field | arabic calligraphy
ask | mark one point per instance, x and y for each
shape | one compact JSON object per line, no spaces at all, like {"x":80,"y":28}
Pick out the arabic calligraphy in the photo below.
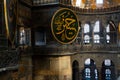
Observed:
{"x":65,"y":26}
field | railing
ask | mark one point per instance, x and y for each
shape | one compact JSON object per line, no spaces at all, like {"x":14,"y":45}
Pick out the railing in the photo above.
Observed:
{"x":8,"y":59}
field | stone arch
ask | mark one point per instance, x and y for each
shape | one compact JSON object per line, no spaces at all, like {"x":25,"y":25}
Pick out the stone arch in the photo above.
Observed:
{"x":90,"y":71}
{"x":108,"y":70}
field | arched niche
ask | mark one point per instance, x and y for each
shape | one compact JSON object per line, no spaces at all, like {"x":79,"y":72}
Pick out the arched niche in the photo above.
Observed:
{"x":75,"y":70}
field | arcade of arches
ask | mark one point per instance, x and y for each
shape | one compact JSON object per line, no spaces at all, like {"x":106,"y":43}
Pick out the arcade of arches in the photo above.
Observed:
{"x":90,"y":70}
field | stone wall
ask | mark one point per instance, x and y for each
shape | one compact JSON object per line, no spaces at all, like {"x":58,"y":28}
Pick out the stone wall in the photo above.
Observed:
{"x":25,"y":68}
{"x":52,"y":68}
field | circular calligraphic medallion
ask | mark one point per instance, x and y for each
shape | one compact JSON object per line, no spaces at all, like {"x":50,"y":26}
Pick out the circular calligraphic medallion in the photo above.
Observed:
{"x":10,"y":15}
{"x":64,"y":26}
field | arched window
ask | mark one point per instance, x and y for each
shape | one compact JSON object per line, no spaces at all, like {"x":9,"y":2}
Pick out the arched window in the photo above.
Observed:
{"x":86,"y":28}
{"x":87,"y":61}
{"x":96,"y":74}
{"x":86,"y":39}
{"x":86,"y":33}
{"x":76,"y":3}
{"x":108,"y":38}
{"x":108,"y":28}
{"x":108,"y":70}
{"x":96,"y":31}
{"x":97,"y":27}
{"x":108,"y":74}
{"x":107,"y":62}
{"x":108,"y":33}
{"x":111,"y":35}
{"x":96,"y":38}
{"x":90,"y":71}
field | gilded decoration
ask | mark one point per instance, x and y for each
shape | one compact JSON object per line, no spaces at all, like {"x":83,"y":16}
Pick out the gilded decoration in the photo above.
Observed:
{"x":10,"y":15}
{"x":64,"y":26}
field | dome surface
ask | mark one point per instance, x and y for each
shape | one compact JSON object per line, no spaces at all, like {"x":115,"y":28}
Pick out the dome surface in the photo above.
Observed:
{"x":94,"y":4}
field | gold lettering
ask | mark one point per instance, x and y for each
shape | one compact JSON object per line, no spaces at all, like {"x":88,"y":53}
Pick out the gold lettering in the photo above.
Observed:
{"x":65,"y":27}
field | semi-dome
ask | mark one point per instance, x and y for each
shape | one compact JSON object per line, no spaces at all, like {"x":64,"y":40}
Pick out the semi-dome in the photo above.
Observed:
{"x":95,"y":3}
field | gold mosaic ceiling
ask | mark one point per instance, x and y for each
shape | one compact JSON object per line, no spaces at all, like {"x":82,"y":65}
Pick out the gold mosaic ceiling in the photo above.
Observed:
{"x":95,"y":3}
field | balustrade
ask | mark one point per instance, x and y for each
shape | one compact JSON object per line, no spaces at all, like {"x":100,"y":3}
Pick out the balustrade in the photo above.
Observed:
{"x":9,"y":59}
